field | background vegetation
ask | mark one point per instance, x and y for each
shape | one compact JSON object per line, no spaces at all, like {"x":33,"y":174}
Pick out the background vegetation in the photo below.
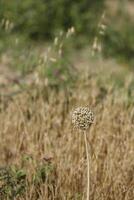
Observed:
{"x":44,"y":19}
{"x":55,"y":56}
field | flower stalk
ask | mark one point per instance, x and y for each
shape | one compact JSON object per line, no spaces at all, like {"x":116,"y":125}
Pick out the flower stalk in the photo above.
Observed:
{"x":83,"y":118}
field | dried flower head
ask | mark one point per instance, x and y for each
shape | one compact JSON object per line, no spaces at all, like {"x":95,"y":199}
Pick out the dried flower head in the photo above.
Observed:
{"x":82,"y":118}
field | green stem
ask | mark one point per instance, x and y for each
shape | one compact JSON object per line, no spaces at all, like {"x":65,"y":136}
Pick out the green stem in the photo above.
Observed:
{"x":88,"y":168}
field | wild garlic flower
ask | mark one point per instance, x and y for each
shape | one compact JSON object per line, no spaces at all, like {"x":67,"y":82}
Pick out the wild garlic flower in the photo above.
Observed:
{"x":82,"y":118}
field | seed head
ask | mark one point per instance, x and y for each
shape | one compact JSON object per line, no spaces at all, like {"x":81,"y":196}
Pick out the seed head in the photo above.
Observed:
{"x":82,"y":118}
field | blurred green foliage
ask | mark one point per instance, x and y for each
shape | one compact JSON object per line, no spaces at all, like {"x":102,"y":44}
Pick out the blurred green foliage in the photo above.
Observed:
{"x":118,"y":40}
{"x":44,"y":18}
{"x":56,"y":65}
{"x":13,"y":182}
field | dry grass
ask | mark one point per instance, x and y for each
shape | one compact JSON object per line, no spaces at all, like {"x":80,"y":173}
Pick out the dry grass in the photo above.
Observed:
{"x":37,"y":125}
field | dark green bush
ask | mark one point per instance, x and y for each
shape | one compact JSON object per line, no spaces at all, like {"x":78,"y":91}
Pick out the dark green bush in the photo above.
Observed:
{"x":44,"y":18}
{"x":13,"y":183}
{"x":119,"y":41}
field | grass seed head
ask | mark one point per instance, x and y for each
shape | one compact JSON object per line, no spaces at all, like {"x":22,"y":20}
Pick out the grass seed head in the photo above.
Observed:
{"x":82,"y":118}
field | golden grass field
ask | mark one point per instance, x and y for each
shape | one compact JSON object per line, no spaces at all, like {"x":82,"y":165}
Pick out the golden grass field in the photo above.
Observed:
{"x":43,"y":157}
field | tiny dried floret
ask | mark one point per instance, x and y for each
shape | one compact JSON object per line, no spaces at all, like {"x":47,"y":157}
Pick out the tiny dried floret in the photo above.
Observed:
{"x":82,"y":118}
